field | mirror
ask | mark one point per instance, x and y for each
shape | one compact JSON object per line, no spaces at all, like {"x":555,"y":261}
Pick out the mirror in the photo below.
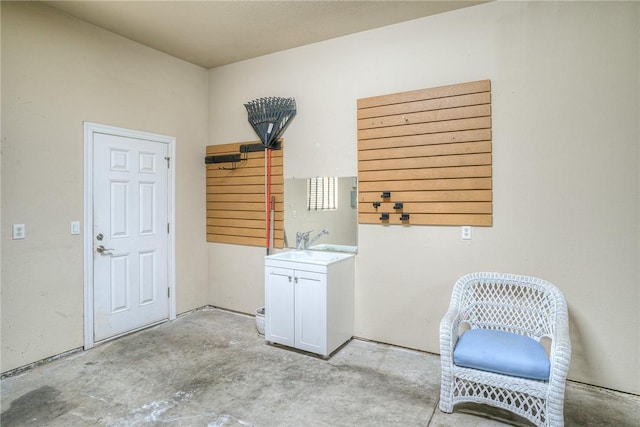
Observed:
{"x":342,"y":223}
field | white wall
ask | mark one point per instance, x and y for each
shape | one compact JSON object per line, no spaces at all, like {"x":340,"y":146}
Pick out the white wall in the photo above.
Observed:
{"x":565,"y":87}
{"x":56,"y":73}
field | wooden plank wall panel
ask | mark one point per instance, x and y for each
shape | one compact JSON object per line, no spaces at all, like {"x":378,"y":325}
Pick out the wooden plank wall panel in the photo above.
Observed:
{"x":236,"y":198}
{"x":431,"y":149}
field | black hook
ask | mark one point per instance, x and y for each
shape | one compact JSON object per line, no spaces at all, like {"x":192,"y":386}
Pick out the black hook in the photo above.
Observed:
{"x":398,"y":205}
{"x":384,"y":216}
{"x":404,"y":217}
{"x":385,"y":194}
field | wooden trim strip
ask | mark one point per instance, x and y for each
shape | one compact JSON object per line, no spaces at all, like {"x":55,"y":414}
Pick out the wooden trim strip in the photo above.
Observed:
{"x":244,"y":223}
{"x":426,"y":117}
{"x":241,"y":240}
{"x":421,"y":94}
{"x":242,"y":180}
{"x":231,"y":231}
{"x":237,"y":240}
{"x":426,"y":173}
{"x":424,"y":151}
{"x":223,"y":206}
{"x":431,"y":207}
{"x":422,"y":128}
{"x":426,"y":105}
{"x":431,"y":196}
{"x":468,"y":158}
{"x":244,"y":189}
{"x":238,"y":197}
{"x":427,"y":185}
{"x":424,"y":139}
{"x":242,"y":170}
{"x":429,"y":219}
{"x":214,"y":217}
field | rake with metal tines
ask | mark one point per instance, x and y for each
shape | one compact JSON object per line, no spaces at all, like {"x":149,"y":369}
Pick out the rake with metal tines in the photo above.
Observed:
{"x":270,"y":117}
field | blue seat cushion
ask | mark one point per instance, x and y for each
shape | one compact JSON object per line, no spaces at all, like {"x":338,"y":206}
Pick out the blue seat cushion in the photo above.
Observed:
{"x":503,"y":353}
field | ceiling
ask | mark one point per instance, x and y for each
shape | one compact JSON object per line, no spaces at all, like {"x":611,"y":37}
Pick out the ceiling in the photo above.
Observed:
{"x":212,"y":33}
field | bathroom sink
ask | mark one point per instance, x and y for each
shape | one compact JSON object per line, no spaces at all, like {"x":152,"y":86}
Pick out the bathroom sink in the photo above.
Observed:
{"x":318,"y":261}
{"x":321,"y":257}
{"x":335,"y":248}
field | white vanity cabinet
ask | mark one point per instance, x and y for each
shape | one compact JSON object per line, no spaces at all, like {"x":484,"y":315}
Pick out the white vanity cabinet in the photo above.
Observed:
{"x":309,"y":302}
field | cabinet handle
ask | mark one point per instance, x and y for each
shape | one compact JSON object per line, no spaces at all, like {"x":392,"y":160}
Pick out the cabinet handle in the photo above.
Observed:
{"x":295,"y":280}
{"x":289,"y":279}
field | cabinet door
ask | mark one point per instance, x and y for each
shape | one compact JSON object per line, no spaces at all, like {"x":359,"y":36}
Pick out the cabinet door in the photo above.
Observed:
{"x":279,"y":306}
{"x":311,"y":312}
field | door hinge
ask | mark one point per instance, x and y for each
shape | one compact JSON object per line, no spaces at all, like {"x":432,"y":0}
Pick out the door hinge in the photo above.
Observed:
{"x":168,"y":292}
{"x":168,"y":228}
{"x":168,"y":159}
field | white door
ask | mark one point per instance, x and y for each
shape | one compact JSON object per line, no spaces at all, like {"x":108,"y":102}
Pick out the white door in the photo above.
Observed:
{"x":130,"y":234}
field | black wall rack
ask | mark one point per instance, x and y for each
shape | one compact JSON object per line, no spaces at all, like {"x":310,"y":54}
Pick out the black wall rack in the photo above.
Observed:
{"x":244,"y":149}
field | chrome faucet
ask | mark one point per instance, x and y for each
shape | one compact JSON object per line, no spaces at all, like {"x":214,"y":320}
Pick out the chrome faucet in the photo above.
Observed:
{"x":303,"y":241}
{"x":324,"y":232}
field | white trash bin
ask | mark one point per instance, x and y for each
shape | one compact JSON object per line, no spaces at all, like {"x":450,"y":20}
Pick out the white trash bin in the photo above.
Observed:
{"x":260,"y":321}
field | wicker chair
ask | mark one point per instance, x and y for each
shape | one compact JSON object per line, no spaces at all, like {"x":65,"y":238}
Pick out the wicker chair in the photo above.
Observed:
{"x":497,"y":303}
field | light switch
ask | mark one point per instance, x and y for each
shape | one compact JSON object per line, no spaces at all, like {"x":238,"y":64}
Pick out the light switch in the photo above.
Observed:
{"x":19,"y":231}
{"x":75,"y":227}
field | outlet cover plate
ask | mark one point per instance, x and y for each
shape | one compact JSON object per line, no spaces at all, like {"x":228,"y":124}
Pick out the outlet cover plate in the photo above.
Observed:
{"x":19,"y":231}
{"x":75,"y":227}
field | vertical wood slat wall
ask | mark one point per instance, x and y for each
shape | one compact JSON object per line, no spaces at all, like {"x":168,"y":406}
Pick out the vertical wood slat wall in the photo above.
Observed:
{"x":236,"y":198}
{"x":431,"y":149}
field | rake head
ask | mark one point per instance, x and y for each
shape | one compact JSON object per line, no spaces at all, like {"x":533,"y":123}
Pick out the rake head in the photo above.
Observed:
{"x":270,"y":116}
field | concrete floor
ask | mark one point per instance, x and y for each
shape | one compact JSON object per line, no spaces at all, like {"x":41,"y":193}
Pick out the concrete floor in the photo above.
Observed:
{"x":210,"y":368}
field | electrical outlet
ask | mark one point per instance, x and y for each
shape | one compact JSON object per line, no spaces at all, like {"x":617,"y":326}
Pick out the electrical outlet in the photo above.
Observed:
{"x":466,"y":232}
{"x":19,"y":231}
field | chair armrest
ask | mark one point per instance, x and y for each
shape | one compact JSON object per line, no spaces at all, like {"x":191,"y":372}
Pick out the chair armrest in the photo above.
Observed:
{"x":559,"y":357}
{"x":448,"y":339}
{"x":560,"y":352}
{"x":449,"y":332}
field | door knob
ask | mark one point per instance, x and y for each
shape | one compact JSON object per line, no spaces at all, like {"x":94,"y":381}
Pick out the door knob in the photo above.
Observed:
{"x":103,"y":251}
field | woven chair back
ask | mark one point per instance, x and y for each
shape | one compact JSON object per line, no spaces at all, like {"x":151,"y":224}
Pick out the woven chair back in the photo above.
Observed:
{"x":509,"y":305}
